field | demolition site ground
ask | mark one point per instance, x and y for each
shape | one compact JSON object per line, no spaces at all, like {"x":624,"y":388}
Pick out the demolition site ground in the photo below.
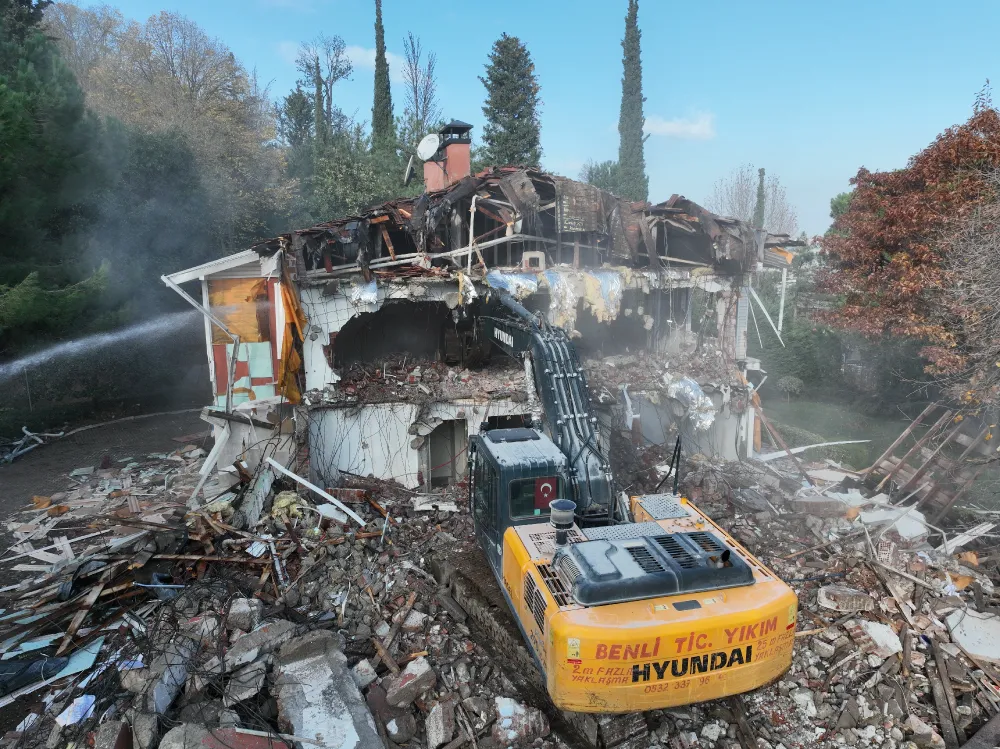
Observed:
{"x":393,"y":633}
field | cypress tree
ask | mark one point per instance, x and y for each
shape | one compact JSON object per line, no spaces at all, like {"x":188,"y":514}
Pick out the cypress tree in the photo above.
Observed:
{"x":383,"y":131}
{"x":632,"y":180}
{"x":758,"y":211}
{"x":513,"y":132}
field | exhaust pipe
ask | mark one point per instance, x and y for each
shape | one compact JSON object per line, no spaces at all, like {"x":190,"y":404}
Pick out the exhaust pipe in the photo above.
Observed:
{"x":562,"y":513}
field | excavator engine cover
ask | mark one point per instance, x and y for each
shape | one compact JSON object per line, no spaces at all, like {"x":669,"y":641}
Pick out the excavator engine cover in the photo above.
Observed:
{"x":613,"y":571}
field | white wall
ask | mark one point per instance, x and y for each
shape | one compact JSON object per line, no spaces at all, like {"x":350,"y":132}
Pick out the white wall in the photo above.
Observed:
{"x":370,"y":439}
{"x":377,"y":438}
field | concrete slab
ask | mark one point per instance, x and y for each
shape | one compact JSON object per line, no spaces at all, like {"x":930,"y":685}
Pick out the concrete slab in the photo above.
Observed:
{"x":265,"y":639}
{"x":245,"y":683}
{"x":977,"y":633}
{"x":317,"y":697}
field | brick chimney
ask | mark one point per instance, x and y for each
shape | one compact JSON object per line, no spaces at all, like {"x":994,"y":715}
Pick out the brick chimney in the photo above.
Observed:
{"x":453,"y":160}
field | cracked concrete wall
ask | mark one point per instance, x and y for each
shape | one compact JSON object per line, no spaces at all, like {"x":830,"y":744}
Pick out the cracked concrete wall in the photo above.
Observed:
{"x":330,"y":306}
{"x":388,"y":440}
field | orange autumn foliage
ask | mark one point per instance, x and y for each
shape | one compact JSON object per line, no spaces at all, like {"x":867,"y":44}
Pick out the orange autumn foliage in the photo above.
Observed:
{"x":886,"y":252}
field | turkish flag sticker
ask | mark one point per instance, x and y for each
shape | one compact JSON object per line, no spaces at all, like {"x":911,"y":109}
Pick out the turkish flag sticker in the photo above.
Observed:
{"x":545,"y":491}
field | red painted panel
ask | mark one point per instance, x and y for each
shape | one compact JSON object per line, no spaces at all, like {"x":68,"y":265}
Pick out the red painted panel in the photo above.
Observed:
{"x":242,"y":370}
{"x":221,"y":364}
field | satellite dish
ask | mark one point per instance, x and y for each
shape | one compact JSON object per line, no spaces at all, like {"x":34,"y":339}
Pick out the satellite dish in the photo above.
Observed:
{"x":429,"y":146}
{"x":408,"y":175}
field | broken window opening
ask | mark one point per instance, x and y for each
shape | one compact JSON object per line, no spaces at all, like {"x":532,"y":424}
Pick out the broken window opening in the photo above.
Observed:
{"x":413,"y":328}
{"x":669,"y":308}
{"x":702,"y":313}
{"x":538,"y":303}
{"x":625,"y":333}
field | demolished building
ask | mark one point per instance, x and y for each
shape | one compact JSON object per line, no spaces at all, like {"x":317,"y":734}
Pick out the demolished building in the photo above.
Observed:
{"x":218,"y":623}
{"x":363,"y":327}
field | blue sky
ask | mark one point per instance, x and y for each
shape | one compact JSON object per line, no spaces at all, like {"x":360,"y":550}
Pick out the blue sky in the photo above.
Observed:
{"x":810,"y":91}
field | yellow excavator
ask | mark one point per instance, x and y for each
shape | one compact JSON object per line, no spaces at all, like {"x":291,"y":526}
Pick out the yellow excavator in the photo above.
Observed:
{"x":626,"y":604}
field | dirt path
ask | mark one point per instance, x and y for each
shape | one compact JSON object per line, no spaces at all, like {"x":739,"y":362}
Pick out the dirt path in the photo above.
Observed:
{"x":44,"y":470}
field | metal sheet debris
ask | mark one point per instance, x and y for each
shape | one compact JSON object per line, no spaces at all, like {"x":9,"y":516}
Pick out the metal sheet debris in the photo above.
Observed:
{"x":977,"y":633}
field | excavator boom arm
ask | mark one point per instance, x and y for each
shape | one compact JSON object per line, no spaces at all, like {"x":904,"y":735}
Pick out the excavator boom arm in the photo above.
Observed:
{"x":562,"y":390}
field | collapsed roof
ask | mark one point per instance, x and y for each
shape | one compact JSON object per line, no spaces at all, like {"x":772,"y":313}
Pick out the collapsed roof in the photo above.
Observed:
{"x":491,"y":219}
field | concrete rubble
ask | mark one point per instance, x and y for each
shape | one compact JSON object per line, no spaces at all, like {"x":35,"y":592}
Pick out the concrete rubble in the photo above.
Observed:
{"x":298,"y":626}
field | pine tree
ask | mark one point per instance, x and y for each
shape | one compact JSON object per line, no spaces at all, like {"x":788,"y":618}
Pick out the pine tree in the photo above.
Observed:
{"x":21,"y":18}
{"x":295,"y":116}
{"x":49,"y":175}
{"x":632,"y":180}
{"x":513,"y":132}
{"x":383,"y":131}
{"x":758,"y":211}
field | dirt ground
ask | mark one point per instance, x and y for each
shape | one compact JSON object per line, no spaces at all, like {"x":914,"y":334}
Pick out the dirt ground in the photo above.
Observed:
{"x":44,"y":470}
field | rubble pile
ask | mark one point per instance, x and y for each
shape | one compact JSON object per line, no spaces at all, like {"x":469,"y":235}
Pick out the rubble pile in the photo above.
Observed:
{"x":316,"y":618}
{"x":300,"y":627}
{"x":706,"y":365}
{"x":403,"y":378}
{"x":896,"y":639}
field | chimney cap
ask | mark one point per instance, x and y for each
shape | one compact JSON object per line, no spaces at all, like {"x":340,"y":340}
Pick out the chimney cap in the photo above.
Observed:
{"x":456,"y":131}
{"x":455,"y":127}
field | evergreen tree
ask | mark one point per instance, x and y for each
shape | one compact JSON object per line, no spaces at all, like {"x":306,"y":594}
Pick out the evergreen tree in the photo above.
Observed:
{"x":758,"y":211}
{"x":513,"y":132}
{"x":295,"y":116}
{"x":602,"y":174}
{"x":48,"y":172}
{"x":20,"y":18}
{"x":383,"y":129}
{"x":633,"y":183}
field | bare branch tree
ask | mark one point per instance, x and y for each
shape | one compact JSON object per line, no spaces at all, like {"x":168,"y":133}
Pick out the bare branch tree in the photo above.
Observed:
{"x":324,"y":59}
{"x":421,"y":110}
{"x":970,"y":309}
{"x":87,"y":37}
{"x":736,"y":196}
{"x":167,"y":74}
{"x":779,"y":215}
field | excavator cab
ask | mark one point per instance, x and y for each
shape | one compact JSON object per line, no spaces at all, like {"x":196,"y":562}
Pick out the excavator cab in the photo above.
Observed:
{"x":515,"y":473}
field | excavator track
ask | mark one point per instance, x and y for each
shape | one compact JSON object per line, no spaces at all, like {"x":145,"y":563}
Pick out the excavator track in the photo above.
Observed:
{"x":471,"y":582}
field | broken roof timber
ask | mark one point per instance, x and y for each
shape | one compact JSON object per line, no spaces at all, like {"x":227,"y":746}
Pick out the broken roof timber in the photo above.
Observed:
{"x":569,"y":222}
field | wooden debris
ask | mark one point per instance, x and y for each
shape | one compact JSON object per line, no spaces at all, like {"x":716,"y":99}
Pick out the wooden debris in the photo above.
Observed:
{"x":389,"y":638}
{"x":384,"y":656}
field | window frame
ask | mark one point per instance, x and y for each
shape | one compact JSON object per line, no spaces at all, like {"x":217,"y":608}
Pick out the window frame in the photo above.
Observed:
{"x":560,"y":488}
